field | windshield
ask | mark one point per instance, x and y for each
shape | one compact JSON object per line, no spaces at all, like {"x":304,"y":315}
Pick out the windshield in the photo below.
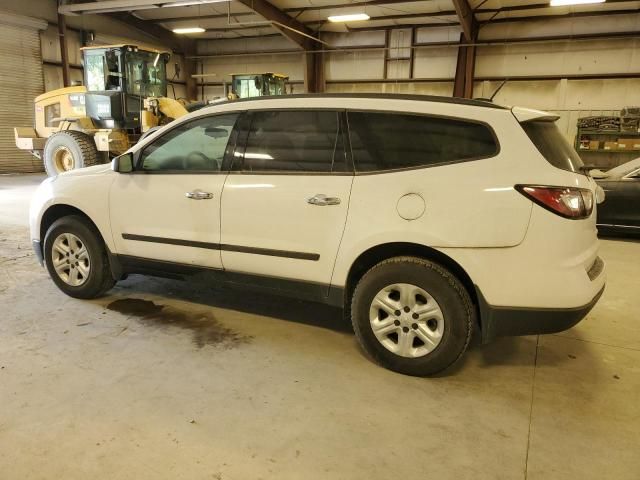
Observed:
{"x":247,"y":87}
{"x":276,"y":86}
{"x":552,"y":145}
{"x":624,"y":169}
{"x":146,"y":75}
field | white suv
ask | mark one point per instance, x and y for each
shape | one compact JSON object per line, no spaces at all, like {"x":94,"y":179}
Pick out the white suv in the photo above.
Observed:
{"x":423,"y":217}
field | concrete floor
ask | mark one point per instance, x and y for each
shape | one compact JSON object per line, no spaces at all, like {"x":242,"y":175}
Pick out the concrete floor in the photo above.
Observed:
{"x":223,"y":386}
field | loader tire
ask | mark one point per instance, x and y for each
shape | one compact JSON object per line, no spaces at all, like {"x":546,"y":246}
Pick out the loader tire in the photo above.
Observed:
{"x":68,"y":150}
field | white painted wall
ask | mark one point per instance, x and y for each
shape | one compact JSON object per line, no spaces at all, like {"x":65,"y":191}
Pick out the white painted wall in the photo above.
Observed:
{"x":434,"y":66}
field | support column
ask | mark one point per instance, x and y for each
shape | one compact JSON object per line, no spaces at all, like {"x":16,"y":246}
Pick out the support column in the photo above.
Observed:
{"x":314,"y":72}
{"x":465,"y":70}
{"x":191,"y":84}
{"x":62,"y":31}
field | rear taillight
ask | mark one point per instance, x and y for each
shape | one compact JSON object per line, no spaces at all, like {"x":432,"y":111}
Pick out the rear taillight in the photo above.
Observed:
{"x":568,"y":202}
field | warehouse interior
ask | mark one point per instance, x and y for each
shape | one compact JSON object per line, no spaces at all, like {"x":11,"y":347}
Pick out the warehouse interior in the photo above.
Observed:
{"x":221,"y":387}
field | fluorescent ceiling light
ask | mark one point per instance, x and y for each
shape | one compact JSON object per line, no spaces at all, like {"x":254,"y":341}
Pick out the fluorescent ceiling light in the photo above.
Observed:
{"x":188,"y":3}
{"x":564,"y":3}
{"x":189,"y":30}
{"x":352,"y":17}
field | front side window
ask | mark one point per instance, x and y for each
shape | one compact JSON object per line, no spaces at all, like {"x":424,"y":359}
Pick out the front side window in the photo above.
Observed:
{"x":390,"y":141}
{"x":295,"y":141}
{"x":198,"y":145}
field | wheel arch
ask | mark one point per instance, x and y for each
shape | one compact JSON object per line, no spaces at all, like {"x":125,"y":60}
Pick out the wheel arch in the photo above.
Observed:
{"x":378,"y":253}
{"x":59,"y":210}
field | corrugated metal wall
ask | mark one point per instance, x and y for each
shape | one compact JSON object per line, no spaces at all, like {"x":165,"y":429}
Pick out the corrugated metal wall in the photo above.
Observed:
{"x":20,"y":82}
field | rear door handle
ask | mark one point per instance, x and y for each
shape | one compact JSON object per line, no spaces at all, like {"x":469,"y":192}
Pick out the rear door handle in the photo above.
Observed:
{"x":199,"y":195}
{"x":322,"y":200}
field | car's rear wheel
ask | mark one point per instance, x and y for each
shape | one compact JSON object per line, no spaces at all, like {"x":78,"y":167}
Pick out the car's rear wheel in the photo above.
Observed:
{"x":412,"y":316}
{"x":76,"y":258}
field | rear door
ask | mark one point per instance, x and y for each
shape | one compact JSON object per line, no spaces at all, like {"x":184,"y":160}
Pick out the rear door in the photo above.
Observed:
{"x":285,"y":202}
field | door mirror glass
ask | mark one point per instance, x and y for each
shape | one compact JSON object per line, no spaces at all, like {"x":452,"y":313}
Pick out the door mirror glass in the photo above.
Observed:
{"x":123,"y":163}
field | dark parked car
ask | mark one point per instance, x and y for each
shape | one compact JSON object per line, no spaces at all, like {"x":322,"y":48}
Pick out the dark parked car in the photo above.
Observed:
{"x":620,"y":211}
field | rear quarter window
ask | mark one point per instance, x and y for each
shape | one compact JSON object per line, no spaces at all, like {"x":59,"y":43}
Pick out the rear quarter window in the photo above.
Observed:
{"x":391,"y":141}
{"x":553,"y":146}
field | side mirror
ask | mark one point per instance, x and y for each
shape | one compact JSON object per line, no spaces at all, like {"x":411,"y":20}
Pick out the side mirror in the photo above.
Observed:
{"x":123,"y":163}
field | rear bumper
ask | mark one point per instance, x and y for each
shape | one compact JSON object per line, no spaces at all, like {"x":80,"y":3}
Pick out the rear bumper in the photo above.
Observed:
{"x":508,"y":321}
{"x":37,"y":248}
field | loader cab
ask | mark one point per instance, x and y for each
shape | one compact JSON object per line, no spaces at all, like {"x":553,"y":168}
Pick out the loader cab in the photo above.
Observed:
{"x":258,"y":84}
{"x":118,"y":78}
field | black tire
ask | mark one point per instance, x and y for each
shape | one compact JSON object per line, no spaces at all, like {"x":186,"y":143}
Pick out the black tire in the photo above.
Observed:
{"x":80,"y":145}
{"x":451,"y":296}
{"x":99,"y":279}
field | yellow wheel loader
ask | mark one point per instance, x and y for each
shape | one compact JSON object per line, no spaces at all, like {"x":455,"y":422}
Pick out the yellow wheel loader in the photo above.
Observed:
{"x":248,"y":85}
{"x":124,"y":95}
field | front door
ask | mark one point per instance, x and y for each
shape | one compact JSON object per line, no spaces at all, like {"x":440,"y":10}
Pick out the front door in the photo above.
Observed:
{"x":284,"y":205}
{"x":168,"y":208}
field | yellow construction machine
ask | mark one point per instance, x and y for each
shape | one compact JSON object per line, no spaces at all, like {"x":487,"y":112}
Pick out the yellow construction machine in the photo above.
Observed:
{"x":123,"y":96}
{"x":248,"y":85}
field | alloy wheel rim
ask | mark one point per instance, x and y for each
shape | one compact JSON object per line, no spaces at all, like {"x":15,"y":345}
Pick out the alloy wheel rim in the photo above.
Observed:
{"x":70,"y":259}
{"x":406,"y":320}
{"x":63,"y":159}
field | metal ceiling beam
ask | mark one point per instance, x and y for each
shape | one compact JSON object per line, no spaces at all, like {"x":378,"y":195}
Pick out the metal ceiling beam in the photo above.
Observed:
{"x":109,"y":6}
{"x":595,"y":13}
{"x":408,"y":25}
{"x":467,"y":19}
{"x":179,"y":44}
{"x":443,"y":13}
{"x":297,"y":32}
{"x":367,"y":3}
{"x":529,"y":18}
{"x":289,"y":27}
{"x":216,"y":16}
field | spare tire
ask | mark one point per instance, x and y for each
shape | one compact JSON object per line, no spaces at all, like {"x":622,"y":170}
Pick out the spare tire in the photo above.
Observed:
{"x":68,"y":150}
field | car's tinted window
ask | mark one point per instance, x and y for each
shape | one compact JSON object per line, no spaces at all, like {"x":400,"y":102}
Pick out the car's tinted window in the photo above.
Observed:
{"x":194,"y":146}
{"x":295,"y":141}
{"x":552,"y":145}
{"x":387,"y":141}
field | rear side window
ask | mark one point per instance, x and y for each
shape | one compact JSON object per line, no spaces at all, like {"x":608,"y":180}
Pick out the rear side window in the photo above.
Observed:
{"x":295,"y":141}
{"x":552,"y":145}
{"x":389,"y":141}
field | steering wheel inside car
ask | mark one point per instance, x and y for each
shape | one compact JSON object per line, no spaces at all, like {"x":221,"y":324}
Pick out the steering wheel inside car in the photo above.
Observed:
{"x":198,"y":161}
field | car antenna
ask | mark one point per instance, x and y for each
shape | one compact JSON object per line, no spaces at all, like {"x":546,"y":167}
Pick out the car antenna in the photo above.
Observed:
{"x":490,"y":99}
{"x":498,"y":89}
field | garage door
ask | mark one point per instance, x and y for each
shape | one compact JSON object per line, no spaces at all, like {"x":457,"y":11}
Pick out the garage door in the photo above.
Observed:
{"x":20,"y":82}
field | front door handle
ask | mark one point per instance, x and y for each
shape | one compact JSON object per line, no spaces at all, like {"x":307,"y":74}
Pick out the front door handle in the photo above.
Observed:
{"x":322,"y":200}
{"x":199,"y":195}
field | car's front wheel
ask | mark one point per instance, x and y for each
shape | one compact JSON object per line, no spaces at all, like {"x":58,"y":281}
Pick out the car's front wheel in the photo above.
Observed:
{"x":412,"y":315}
{"x":76,"y":258}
